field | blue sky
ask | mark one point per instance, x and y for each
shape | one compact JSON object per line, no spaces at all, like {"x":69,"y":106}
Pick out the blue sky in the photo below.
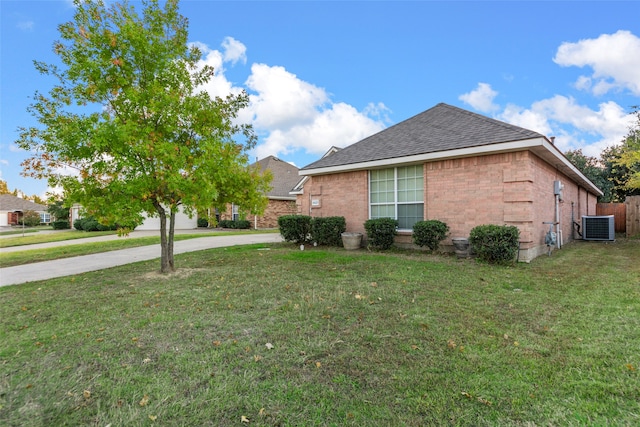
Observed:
{"x":331,"y":73}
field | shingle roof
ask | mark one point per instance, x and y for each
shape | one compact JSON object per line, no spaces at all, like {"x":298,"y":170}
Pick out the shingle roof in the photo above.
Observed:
{"x":441,"y":128}
{"x":285,"y":177}
{"x":11,"y":203}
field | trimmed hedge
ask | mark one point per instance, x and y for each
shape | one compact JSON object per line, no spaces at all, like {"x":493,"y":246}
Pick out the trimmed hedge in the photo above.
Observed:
{"x":295,"y":228}
{"x":203,"y":222}
{"x":328,"y":230}
{"x":495,"y":244}
{"x":240,"y":224}
{"x":61,"y":225}
{"x":429,"y":233}
{"x":89,"y":223}
{"x":381,"y":231}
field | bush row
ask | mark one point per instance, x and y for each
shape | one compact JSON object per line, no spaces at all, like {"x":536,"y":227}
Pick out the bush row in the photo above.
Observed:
{"x":495,"y":244}
{"x":301,"y":229}
{"x":239,"y":224}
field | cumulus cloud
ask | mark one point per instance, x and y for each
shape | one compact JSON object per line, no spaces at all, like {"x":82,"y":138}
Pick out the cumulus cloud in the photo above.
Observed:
{"x":481,"y":98}
{"x":288,"y":113}
{"x":614,"y":59}
{"x":571,"y":123}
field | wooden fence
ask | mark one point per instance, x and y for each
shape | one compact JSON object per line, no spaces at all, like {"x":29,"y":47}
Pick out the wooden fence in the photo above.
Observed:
{"x":626,"y":215}
{"x":632,"y":205}
{"x":619,"y":212}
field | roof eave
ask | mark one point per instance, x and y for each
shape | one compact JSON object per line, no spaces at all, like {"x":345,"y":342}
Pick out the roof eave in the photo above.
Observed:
{"x":540,"y":146}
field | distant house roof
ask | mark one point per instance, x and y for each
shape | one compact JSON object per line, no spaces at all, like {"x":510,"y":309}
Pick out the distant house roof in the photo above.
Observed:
{"x":285,"y":177}
{"x":442,"y":132}
{"x":11,"y":203}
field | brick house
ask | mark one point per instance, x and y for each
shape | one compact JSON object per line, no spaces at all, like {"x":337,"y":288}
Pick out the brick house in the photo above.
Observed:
{"x":12,"y":208}
{"x":455,"y":166}
{"x":285,"y":177}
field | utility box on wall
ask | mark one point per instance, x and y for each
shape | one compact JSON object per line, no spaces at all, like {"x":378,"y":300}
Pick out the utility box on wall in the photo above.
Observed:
{"x":557,"y":189}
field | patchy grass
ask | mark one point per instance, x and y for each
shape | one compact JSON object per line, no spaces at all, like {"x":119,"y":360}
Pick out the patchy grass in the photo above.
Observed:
{"x":29,"y":256}
{"x":329,"y":337}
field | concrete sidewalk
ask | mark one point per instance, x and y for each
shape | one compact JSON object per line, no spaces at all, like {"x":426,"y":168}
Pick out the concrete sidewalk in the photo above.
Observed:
{"x":82,"y":264}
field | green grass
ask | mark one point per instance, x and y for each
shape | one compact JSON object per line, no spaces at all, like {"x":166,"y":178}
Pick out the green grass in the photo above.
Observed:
{"x":29,"y":256}
{"x":358,"y":338}
{"x":59,"y":236}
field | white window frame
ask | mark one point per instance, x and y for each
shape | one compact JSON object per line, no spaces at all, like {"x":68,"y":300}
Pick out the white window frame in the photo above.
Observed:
{"x":395,"y":203}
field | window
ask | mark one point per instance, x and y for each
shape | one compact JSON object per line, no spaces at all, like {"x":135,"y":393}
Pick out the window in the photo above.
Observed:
{"x":234,"y":212}
{"x":45,"y":217}
{"x":397,"y":193}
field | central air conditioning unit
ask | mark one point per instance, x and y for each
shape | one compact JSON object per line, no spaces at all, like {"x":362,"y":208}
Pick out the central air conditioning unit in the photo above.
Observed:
{"x":598,"y":227}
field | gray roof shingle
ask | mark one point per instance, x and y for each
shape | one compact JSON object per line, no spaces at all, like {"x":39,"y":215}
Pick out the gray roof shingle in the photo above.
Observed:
{"x":285,"y":177}
{"x":441,"y":128}
{"x":11,"y":203}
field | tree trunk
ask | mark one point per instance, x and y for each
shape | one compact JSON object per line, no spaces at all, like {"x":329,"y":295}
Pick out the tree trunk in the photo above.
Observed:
{"x":164,"y":253}
{"x":170,"y":242}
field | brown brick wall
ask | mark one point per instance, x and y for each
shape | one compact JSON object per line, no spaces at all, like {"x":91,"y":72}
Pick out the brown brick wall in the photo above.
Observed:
{"x":502,"y":189}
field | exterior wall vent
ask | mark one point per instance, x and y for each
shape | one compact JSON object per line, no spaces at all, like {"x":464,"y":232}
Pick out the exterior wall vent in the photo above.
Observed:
{"x":598,"y":227}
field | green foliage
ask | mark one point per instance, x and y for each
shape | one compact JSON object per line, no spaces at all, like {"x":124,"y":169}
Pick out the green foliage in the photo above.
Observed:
{"x":593,"y":169}
{"x":381,"y":232}
{"x":239,"y":224}
{"x":58,"y":210}
{"x":90,"y":223}
{"x":129,"y":113}
{"x":429,"y":233}
{"x":328,"y":230}
{"x":495,"y":244}
{"x":30,"y":218}
{"x":203,"y":222}
{"x":61,"y":224}
{"x":295,"y":228}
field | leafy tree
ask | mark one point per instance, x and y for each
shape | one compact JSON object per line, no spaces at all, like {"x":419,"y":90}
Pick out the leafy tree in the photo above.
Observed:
{"x":618,"y":174}
{"x":30,"y":218}
{"x":593,"y":169}
{"x":58,"y":210}
{"x":630,"y":154}
{"x":129,"y":115}
{"x":4,"y":188}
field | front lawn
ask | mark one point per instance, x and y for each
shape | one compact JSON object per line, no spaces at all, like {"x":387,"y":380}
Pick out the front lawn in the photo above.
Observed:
{"x":271,"y":335}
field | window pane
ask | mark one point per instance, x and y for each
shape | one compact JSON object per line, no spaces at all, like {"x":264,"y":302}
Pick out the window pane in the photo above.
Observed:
{"x":382,"y":211}
{"x":408,"y":215}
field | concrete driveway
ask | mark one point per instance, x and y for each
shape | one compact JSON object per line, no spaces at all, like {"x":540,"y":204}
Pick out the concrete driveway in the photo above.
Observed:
{"x":82,"y":264}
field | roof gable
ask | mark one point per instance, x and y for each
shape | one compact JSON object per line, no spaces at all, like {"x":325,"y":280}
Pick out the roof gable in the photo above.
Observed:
{"x":10,"y":203}
{"x":441,"y":128}
{"x":285,"y":177}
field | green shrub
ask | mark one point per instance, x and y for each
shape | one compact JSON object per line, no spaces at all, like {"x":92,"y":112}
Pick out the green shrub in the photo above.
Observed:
{"x":237,"y":224}
{"x":495,"y":244}
{"x":429,"y":233}
{"x":328,"y":230}
{"x":30,"y":218}
{"x":295,"y":228}
{"x":61,"y":225}
{"x":89,"y":223}
{"x":203,"y":222}
{"x":380,"y":232}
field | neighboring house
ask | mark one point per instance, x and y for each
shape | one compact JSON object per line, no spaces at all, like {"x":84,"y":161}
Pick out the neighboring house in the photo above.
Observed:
{"x":183,"y":222}
{"x":455,"y":166}
{"x":12,"y":208}
{"x":281,"y":202}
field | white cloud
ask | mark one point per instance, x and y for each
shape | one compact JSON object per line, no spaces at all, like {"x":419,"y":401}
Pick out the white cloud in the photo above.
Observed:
{"x":574,"y":125}
{"x":234,"y":50}
{"x":288,"y":113}
{"x":281,"y":99}
{"x":25,"y":25}
{"x":340,"y":125}
{"x":614,"y":58}
{"x":481,"y":98}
